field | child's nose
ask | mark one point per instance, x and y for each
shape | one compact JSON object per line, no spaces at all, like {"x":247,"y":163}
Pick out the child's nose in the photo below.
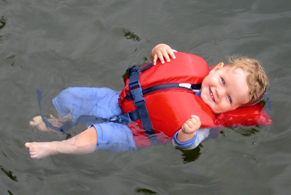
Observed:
{"x":220,"y":92}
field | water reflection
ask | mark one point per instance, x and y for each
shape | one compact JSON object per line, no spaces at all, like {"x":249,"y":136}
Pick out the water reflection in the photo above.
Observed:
{"x":2,"y":22}
{"x":9,"y":173}
{"x":11,"y":60}
{"x":132,"y":36}
{"x":245,"y":131}
{"x":10,"y":193}
{"x":145,"y":191}
{"x":194,"y":154}
{"x":2,"y":25}
{"x":191,"y":155}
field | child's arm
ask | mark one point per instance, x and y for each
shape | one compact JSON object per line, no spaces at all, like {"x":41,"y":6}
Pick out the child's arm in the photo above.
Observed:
{"x":187,"y":132}
{"x":162,"y":51}
{"x":190,"y":135}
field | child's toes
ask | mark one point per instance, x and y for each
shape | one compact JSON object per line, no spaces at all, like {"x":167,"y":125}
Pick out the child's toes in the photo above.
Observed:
{"x":32,"y":123}
{"x":37,"y":119}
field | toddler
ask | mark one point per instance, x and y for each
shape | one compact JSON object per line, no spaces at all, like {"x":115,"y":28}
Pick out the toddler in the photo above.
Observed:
{"x":240,"y":83}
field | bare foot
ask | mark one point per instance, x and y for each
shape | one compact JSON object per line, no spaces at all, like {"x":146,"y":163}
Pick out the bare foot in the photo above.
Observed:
{"x":41,"y":149}
{"x":38,"y":123}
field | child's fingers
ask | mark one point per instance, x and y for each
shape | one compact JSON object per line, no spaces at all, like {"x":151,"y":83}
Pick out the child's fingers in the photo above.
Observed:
{"x":154,"y":59}
{"x":161,"y":57}
{"x":171,"y":53}
{"x":194,"y":121}
{"x":166,"y":55}
{"x":189,"y":127}
{"x":195,"y":117}
{"x":190,"y":123}
{"x":186,"y":127}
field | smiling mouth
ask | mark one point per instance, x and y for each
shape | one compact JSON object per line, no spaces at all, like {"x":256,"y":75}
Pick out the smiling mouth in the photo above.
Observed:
{"x":211,"y":95}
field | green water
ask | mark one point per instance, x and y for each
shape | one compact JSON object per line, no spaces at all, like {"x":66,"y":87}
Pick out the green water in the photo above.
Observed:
{"x":53,"y":45}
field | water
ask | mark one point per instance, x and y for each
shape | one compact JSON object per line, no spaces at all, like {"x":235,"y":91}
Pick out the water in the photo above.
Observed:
{"x":53,"y":45}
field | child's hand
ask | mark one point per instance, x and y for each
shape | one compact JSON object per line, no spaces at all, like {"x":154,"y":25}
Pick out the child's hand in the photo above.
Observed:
{"x":189,"y":128}
{"x":191,"y":125}
{"x":162,"y":51}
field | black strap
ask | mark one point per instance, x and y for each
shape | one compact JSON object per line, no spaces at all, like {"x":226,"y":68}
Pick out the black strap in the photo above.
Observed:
{"x":139,"y":101}
{"x":165,"y":86}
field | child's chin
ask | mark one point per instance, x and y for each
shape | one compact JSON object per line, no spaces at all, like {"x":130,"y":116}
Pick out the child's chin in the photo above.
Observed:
{"x":206,"y":100}
{"x":213,"y":110}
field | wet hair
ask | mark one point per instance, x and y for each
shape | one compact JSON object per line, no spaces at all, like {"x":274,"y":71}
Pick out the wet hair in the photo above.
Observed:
{"x":257,"y":79}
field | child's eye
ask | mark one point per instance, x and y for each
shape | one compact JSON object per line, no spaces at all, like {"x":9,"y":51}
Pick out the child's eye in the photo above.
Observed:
{"x":223,"y":81}
{"x":229,"y":99}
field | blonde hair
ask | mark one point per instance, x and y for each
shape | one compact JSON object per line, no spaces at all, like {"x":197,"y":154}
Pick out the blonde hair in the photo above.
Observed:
{"x":257,"y":79}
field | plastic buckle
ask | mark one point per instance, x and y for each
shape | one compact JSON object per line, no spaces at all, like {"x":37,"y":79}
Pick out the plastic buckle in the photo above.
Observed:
{"x":132,"y":69}
{"x":125,"y":118}
{"x":137,"y":95}
{"x":133,"y":84}
{"x":135,"y":88}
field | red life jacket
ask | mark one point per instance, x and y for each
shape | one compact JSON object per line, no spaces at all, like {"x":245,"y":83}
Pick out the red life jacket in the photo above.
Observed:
{"x":169,"y":109}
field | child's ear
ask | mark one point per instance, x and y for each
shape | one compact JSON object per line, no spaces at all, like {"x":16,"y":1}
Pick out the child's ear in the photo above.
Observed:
{"x":217,"y":67}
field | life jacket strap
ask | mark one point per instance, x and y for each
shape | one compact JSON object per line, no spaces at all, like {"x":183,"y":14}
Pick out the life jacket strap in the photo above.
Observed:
{"x":193,"y":87}
{"x":139,"y":101}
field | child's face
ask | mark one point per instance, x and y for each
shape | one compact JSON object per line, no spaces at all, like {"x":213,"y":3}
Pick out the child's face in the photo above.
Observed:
{"x":225,"y":89}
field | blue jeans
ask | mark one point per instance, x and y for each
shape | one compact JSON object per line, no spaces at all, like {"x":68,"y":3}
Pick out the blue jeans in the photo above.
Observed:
{"x":101,"y":102}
